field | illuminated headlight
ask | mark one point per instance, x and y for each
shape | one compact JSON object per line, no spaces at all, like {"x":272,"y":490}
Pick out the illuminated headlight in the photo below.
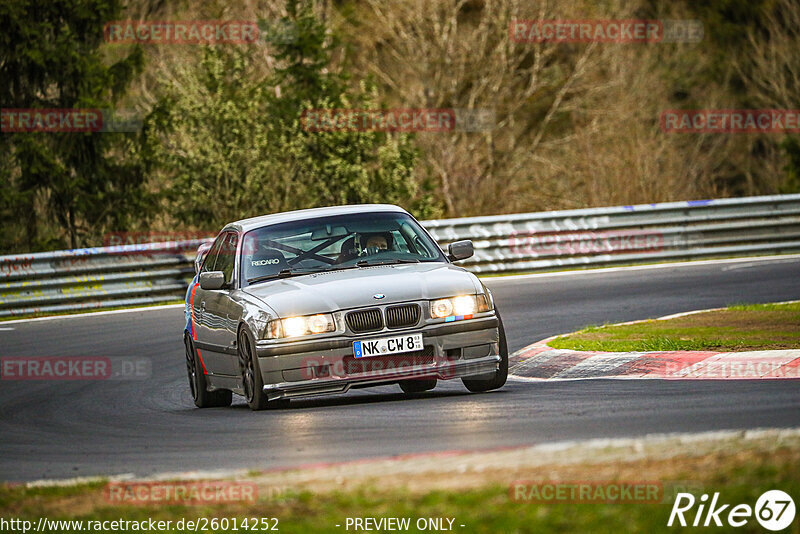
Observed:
{"x":464,"y":305}
{"x":461,"y":306}
{"x":301,"y":326}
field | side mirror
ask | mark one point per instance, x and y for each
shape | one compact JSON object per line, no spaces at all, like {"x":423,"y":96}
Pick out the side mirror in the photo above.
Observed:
{"x":211,"y":280}
{"x":460,"y":250}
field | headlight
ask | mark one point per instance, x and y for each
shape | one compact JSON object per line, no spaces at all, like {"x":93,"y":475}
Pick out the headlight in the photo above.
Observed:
{"x":301,"y":326}
{"x":441,"y":308}
{"x":465,"y":305}
{"x":462,"y":306}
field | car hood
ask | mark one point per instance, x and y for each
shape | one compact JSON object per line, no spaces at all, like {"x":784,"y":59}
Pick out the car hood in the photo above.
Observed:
{"x":353,"y":288}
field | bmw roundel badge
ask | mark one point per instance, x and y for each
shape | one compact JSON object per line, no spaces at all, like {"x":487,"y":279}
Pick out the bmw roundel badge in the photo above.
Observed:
{"x":378,"y":296}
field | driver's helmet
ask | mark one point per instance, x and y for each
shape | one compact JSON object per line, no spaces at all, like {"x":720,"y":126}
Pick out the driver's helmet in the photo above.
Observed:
{"x":374,"y":243}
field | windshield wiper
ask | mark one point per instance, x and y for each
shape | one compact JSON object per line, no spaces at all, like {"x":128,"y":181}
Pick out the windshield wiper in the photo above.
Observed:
{"x":369,"y":263}
{"x":287,"y":273}
{"x":283,"y":273}
{"x":344,"y":268}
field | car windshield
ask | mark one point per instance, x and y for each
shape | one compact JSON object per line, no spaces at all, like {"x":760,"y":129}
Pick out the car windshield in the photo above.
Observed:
{"x":334,"y":242}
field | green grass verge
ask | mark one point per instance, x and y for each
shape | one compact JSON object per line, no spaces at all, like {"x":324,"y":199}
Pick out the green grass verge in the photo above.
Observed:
{"x":737,"y":328}
{"x":739,"y":477}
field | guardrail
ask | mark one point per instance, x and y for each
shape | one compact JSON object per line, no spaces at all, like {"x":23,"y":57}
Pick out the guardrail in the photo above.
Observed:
{"x":157,"y":272}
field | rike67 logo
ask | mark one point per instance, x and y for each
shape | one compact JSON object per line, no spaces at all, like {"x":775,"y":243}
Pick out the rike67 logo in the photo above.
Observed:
{"x":774,"y":510}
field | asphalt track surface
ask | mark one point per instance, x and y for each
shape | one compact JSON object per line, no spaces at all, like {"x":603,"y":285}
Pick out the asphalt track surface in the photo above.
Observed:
{"x":51,"y":429}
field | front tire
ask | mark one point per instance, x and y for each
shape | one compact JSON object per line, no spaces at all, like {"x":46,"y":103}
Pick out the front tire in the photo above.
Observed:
{"x":252,"y":381}
{"x":198,"y":385}
{"x":500,"y":376}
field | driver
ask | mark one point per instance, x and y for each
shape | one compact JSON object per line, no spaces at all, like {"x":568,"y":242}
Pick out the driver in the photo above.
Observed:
{"x":377,"y":240}
{"x":375,"y":243}
{"x":369,"y":244}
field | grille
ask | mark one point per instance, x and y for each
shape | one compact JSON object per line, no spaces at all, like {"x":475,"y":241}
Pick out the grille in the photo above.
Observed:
{"x":364,"y":320}
{"x":400,"y":316}
{"x":382,"y":363}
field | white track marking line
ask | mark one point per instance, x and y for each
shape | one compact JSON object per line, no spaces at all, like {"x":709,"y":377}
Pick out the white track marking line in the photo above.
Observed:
{"x":94,"y":314}
{"x":691,"y":263}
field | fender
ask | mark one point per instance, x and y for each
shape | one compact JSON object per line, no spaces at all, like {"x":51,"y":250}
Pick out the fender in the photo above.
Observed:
{"x":255,"y":313}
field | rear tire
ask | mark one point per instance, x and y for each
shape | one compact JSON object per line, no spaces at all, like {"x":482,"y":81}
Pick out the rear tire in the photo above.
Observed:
{"x":252,"y":382}
{"x":500,"y":376}
{"x":417,"y":386}
{"x":198,"y":386}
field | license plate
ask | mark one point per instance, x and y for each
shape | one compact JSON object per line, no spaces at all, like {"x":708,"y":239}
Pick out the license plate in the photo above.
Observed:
{"x":387,"y":345}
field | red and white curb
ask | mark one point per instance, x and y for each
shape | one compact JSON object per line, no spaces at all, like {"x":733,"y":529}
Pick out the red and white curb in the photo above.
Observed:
{"x":541,"y":362}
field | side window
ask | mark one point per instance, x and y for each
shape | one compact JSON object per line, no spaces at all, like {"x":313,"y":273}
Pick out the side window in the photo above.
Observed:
{"x":211,"y":257}
{"x":227,"y":255}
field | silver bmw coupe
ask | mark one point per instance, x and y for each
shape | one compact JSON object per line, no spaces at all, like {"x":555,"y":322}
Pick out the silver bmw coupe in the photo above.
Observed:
{"x":322,"y":300}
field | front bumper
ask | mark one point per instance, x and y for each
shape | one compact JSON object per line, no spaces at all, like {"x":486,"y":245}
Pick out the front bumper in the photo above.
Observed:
{"x":467,"y":348}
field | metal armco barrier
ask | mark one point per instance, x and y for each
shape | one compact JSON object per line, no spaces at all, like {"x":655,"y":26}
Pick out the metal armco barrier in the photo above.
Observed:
{"x":101,"y":277}
{"x":627,"y":234}
{"x":157,"y":272}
